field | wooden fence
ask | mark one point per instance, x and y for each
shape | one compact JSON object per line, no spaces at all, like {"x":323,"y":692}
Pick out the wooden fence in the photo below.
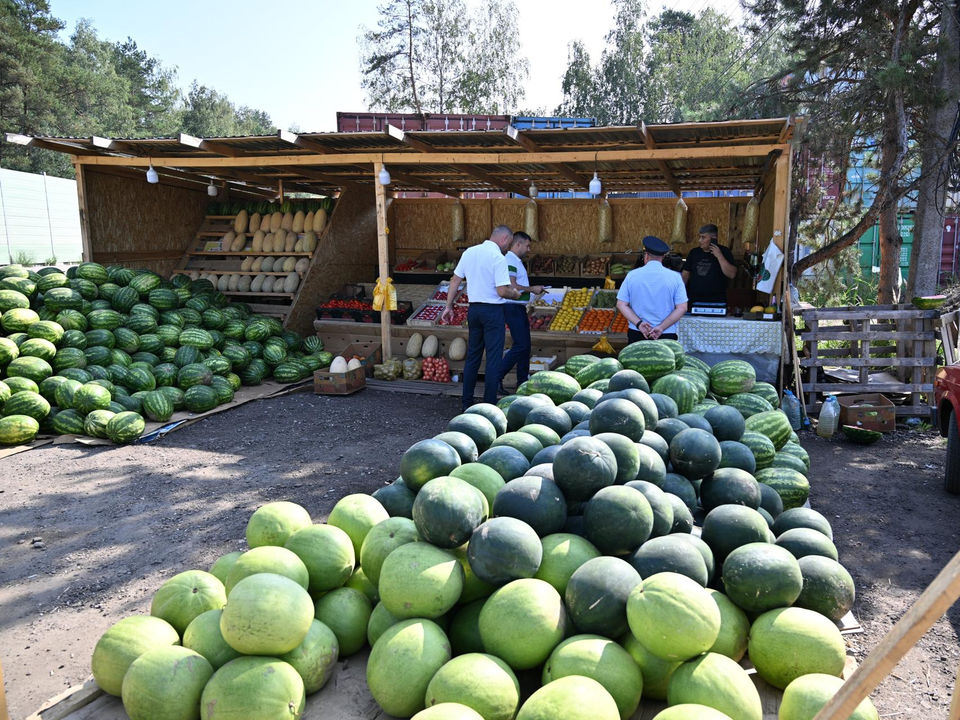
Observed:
{"x":897,"y":341}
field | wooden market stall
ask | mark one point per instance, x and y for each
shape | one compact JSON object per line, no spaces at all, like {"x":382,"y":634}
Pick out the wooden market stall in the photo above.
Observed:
{"x":165,"y":226}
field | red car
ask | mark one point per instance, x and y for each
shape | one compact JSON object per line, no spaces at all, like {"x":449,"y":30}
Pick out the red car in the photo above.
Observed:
{"x":947,"y":420}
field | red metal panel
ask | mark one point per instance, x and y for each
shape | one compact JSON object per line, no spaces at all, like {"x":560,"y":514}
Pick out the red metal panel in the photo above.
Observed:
{"x":948,"y":249}
{"x":375,"y":122}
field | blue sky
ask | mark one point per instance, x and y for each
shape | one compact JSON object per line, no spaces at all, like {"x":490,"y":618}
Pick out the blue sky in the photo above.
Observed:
{"x":299,"y":63}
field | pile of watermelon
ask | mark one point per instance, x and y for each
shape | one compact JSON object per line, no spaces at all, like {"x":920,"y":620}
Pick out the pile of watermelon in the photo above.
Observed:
{"x":620,"y":529}
{"x":97,"y":350}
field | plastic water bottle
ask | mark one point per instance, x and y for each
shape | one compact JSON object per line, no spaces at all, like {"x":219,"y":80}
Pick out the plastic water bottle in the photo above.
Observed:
{"x":791,"y":406}
{"x":829,"y":417}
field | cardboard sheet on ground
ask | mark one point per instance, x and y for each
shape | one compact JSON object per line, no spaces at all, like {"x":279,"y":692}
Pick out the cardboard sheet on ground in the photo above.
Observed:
{"x":346,"y":697}
{"x":180,"y":419}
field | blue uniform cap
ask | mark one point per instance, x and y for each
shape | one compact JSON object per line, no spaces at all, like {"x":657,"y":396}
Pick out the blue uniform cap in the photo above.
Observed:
{"x":655,"y":245}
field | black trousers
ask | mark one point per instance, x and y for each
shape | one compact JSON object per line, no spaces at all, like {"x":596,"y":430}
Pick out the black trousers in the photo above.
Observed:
{"x":636,"y":336}
{"x":519,"y":352}
{"x":486,"y":331}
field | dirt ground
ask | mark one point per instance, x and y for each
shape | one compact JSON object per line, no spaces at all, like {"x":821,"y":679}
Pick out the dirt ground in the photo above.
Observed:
{"x":114,"y":523}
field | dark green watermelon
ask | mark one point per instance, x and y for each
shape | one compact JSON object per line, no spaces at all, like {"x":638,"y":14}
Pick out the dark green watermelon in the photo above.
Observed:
{"x":583,"y":466}
{"x":596,"y":596}
{"x":534,"y":500}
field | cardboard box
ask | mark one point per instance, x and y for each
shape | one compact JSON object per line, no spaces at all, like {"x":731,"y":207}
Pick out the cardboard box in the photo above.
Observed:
{"x":370,"y":354}
{"x":328,"y":383}
{"x":871,"y":411}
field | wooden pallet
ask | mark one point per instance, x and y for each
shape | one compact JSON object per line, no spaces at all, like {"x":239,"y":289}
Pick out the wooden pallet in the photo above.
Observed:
{"x":860,"y":329}
{"x":279,"y":305}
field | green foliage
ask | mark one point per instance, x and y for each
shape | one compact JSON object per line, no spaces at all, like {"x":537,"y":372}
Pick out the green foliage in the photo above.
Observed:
{"x":672,"y":67}
{"x":436,"y":56}
{"x":91,"y":86}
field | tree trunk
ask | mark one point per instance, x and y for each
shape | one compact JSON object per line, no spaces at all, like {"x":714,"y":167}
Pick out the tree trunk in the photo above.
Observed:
{"x":931,"y":197}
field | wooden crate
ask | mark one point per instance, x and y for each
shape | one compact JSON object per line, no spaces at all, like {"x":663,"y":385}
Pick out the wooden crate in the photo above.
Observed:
{"x":604,"y":259}
{"x":859,"y":329}
{"x":345,"y":383}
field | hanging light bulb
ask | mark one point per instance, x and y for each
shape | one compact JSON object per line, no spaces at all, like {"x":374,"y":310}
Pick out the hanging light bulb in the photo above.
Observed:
{"x":534,"y":190}
{"x":384,"y":176}
{"x":212,"y":189}
{"x":595,"y":186}
{"x":152,"y":176}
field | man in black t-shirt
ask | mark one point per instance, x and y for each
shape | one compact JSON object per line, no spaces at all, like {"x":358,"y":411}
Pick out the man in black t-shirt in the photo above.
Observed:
{"x":708,"y":268}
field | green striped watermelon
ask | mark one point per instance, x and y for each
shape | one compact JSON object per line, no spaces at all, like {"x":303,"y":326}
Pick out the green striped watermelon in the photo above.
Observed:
{"x":21,"y":285}
{"x":87,"y":289}
{"x":157,"y":406}
{"x":18,"y":320}
{"x":730,"y":377}
{"x":119,"y":357}
{"x":63,"y":298}
{"x":91,"y":397}
{"x":761,"y":447}
{"x":651,"y":358}
{"x":187,"y":355}
{"x":224,"y":388}
{"x":73,"y":339}
{"x":125,"y":427}
{"x":786,"y":460}
{"x":198,"y":303}
{"x":78,"y":374}
{"x":234,"y":329}
{"x":795,"y":449}
{"x":287,"y":373}
{"x":105,"y":319}
{"x":601,"y":370}
{"x":169,"y":335}
{"x":774,"y":424}
{"x":701,"y":381}
{"x":128,"y":402}
{"x":29,"y":403}
{"x":175,"y":394}
{"x":792,"y":487}
{"x":72,"y":320}
{"x":18,"y":429}
{"x":52,"y":280}
{"x":145,"y":282}
{"x":748,"y":404}
{"x":559,"y":387}
{"x":94,"y":272}
{"x":98,"y":355}
{"x":34,"y":368}
{"x":144,"y":309}
{"x":139,"y":379}
{"x":200,"y":399}
{"x":124,"y":299}
{"x":190,"y":317}
{"x":38,"y":348}
{"x":141,"y":323}
{"x":313,"y":344}
{"x":46,"y":330}
{"x":194,"y":374}
{"x":254,"y":372}
{"x":213,"y":319}
{"x":218,"y":364}
{"x":165,"y":374}
{"x":274,"y":353}
{"x":48,"y":388}
{"x":21,"y":384}
{"x":196,"y":337}
{"x":151,"y":343}
{"x":681,"y":389}
{"x":100,"y":338}
{"x":148,"y":359}
{"x":95,"y":424}
{"x":69,"y":358}
{"x":164,"y":299}
{"x":678,"y":355}
{"x":238,"y":356}
{"x":127,"y":340}
{"x":10,"y":299}
{"x":768,"y":392}
{"x":9,"y":351}
{"x":257,"y":330}
{"x":108,"y":290}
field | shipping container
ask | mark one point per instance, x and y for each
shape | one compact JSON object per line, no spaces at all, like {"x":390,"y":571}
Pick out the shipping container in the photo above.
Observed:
{"x":528,"y":122}
{"x":377,"y":122}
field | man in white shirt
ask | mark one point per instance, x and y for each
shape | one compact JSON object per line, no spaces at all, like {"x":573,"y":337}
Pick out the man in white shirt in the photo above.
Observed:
{"x":515,"y":311}
{"x":652,"y":298}
{"x":485,"y":270}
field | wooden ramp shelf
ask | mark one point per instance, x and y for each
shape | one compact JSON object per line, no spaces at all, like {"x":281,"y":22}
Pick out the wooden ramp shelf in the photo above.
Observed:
{"x":202,"y":257}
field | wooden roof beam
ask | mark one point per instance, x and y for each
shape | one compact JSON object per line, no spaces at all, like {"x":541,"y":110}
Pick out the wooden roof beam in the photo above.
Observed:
{"x":474,"y":172}
{"x":210,"y":146}
{"x":292,"y":138}
{"x":662,"y":164}
{"x":425,"y":184}
{"x":321,"y":177}
{"x":114,"y":145}
{"x":787,"y":133}
{"x":64,"y":147}
{"x":530,"y":146}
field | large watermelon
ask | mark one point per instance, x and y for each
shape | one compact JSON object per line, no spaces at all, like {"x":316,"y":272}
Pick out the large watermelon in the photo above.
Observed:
{"x":792,"y":487}
{"x":651,"y":358}
{"x":682,"y":389}
{"x":774,"y":424}
{"x":601,"y":370}
{"x":559,"y":387}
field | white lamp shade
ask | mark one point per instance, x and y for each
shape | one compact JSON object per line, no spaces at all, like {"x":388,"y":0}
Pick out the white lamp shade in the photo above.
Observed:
{"x":212,"y":190}
{"x":152,"y":176}
{"x":595,"y":186}
{"x":384,"y":176}
{"x":534,"y":191}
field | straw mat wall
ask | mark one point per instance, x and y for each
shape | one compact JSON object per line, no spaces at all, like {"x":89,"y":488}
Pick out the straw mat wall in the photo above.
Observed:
{"x":129,"y":216}
{"x":565,"y":226}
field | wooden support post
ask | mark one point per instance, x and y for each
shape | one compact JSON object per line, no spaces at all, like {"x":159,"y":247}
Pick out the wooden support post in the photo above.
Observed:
{"x":929,"y":607}
{"x":781,"y":214}
{"x":84,"y":216}
{"x":383,"y":254}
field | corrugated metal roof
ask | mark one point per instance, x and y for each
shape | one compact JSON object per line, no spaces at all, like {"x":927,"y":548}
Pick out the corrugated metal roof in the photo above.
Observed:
{"x":688,"y":173}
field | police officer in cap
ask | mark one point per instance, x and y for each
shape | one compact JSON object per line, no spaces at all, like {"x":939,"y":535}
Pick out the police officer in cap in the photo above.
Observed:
{"x":652,"y":298}
{"x":708,"y":268}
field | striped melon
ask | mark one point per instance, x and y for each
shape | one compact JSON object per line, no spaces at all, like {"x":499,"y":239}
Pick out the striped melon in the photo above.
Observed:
{"x":651,"y":358}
